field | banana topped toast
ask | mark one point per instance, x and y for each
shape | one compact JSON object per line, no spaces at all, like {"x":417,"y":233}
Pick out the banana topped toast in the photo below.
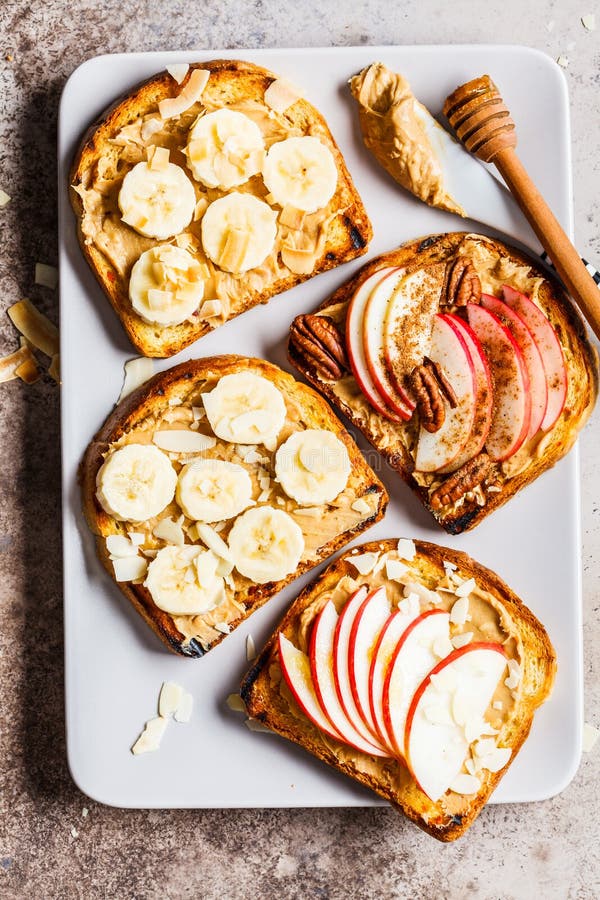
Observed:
{"x":197,"y":200}
{"x":213,"y":485}
{"x":414,"y":670}
{"x":462,"y":361}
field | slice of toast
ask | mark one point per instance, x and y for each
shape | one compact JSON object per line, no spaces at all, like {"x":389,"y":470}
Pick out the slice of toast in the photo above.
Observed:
{"x":496,"y":264}
{"x":172,"y":400}
{"x":495,"y":614}
{"x":334,"y":234}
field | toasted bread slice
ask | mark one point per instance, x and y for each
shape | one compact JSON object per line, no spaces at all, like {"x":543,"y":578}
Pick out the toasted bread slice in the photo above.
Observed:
{"x":172,"y":400}
{"x":496,"y":615}
{"x":334,"y":234}
{"x":496,"y":264}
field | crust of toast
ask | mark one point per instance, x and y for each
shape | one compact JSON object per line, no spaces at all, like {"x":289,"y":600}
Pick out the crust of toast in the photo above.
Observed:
{"x":348,"y":234}
{"x":580,"y":357}
{"x":391,"y":779}
{"x":152,"y":398}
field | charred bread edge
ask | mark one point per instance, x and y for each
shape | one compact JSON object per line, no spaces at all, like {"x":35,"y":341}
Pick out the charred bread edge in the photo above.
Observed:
{"x":521,"y":616}
{"x":134,"y":408}
{"x":161,"y":86}
{"x":556,"y":304}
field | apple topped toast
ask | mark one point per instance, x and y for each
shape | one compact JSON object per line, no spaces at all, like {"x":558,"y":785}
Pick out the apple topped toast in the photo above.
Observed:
{"x":462,"y":361}
{"x":414,"y":670}
{"x":213,"y":485}
{"x":207,"y":190}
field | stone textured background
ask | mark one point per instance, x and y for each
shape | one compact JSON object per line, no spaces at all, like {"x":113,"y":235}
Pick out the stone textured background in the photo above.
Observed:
{"x":547,"y":849}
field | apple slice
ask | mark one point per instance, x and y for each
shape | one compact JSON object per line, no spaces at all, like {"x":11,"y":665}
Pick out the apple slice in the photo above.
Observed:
{"x":356,"y":349}
{"x":341,"y":659}
{"x":551,"y":352}
{"x":531,"y":357}
{"x":436,"y":450}
{"x":455,"y":693}
{"x":366,"y":627}
{"x":321,"y":666}
{"x":383,"y":651}
{"x":412,"y":659}
{"x":512,"y":399}
{"x":408,"y":322}
{"x":296,"y":672}
{"x":484,"y":397}
{"x":373,"y":335}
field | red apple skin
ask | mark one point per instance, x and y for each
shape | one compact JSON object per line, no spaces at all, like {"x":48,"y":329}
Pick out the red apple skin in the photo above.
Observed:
{"x":352,"y":659}
{"x":499,"y":369}
{"x":355,"y":349}
{"x":288,"y":680}
{"x":313,"y":665}
{"x":553,"y":358}
{"x":373,"y":320}
{"x":484,"y":397}
{"x":479,"y":645}
{"x":399,"y":751}
{"x":531,"y":357}
{"x":385,"y":740}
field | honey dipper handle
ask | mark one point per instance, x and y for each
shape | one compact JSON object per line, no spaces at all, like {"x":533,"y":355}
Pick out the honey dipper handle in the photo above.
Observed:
{"x":555,"y":242}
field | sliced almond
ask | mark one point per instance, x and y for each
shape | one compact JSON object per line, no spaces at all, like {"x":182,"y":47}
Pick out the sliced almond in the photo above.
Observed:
{"x":365,"y":562}
{"x":461,"y":640}
{"x":396,"y":570}
{"x":169,"y":698}
{"x":150,"y":738}
{"x":466,"y":588}
{"x":183,"y":713}
{"x":35,"y":326}
{"x":183,"y":441}
{"x":406,"y":549}
{"x":459,"y":611}
{"x":424,"y":594}
{"x":465,"y":784}
{"x":250,"y":648}
{"x":190,"y":94}
{"x":213,"y":541}
{"x":235,"y":702}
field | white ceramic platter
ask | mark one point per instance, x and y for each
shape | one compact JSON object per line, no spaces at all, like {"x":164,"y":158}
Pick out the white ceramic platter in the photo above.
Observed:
{"x":114,"y":664}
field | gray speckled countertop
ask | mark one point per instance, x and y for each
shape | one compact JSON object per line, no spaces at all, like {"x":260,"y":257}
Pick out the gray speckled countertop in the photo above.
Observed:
{"x":48,"y":847}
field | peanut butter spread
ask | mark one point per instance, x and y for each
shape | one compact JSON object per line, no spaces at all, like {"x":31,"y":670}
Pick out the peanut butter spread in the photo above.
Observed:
{"x":393,"y":126}
{"x":319,"y":524}
{"x":300,"y":239}
{"x":487,"y":621}
{"x":494,"y":271}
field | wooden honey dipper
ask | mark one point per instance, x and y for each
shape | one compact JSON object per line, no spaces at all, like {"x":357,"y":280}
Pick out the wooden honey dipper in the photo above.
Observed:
{"x":481,"y":121}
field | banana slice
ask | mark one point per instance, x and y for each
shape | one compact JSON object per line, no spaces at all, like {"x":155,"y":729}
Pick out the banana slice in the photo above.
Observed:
{"x":225,"y":148}
{"x":166,"y":285}
{"x":211,"y":490}
{"x":245,"y":408}
{"x":300,"y":172}
{"x":312,"y":466}
{"x":266,"y":544}
{"x":157,"y":202}
{"x":183,"y":580}
{"x":135,"y":483}
{"x":238,"y":232}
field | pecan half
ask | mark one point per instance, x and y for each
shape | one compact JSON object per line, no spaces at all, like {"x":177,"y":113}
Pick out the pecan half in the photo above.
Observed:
{"x":318,"y":342}
{"x":461,"y":481}
{"x":461,"y":283}
{"x":428,"y":382}
{"x":428,"y":398}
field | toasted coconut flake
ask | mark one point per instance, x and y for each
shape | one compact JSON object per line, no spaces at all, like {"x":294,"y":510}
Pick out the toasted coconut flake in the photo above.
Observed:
{"x":410,"y":606}
{"x":210,"y":309}
{"x":423,"y":593}
{"x":360,"y":506}
{"x":183,"y":713}
{"x":459,"y":611}
{"x":589,"y":22}
{"x":169,"y":698}
{"x":213,"y":541}
{"x":178,"y":71}
{"x":4,"y":198}
{"x":255,"y":725}
{"x":46,"y":275}
{"x":149,"y":739}
{"x":28,"y":371}
{"x":223,"y":627}
{"x":395,"y":570}
{"x":250,"y":648}
{"x":119,"y":546}
{"x":466,"y":588}
{"x":183,"y":441}
{"x":150,"y":127}
{"x":465,"y":784}
{"x":129,"y":568}
{"x":9,"y":364}
{"x":190,"y":94}
{"x":35,"y":326}
{"x":54,"y":368}
{"x":461,"y":640}
{"x":281,"y":94}
{"x":158,"y":158}
{"x":137,"y":372}
{"x":170,"y":531}
{"x":311,"y":512}
{"x":590,"y":736}
{"x":406,"y":549}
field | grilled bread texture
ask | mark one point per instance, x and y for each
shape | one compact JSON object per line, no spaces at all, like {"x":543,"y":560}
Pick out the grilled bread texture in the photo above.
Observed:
{"x":121,"y":138}
{"x":396,"y":441}
{"x":172,"y":400}
{"x":268,"y":699}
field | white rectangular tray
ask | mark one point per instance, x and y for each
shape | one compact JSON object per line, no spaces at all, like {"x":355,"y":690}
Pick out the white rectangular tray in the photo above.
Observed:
{"x":114,"y":664}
